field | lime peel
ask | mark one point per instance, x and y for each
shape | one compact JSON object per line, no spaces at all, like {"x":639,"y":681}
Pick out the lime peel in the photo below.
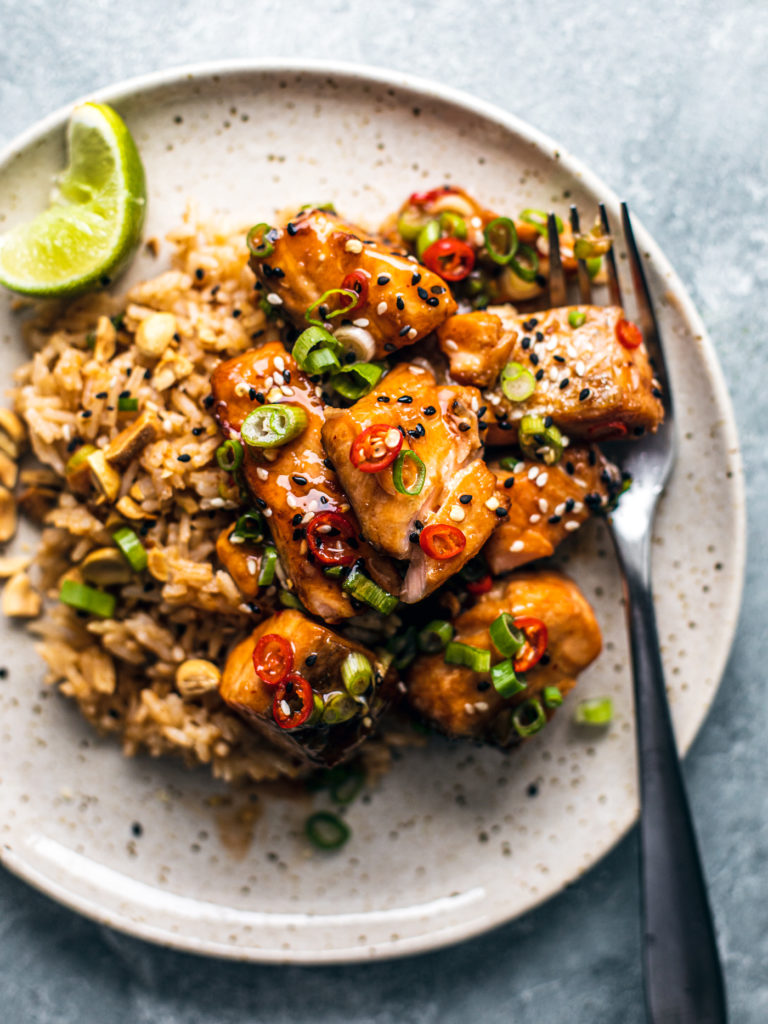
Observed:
{"x":93,"y":225}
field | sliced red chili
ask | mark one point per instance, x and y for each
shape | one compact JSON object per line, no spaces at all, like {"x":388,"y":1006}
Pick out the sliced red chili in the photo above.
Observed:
{"x":357,"y":281}
{"x":536,"y":638}
{"x":442,"y":541}
{"x":425,"y":198}
{"x":612,"y":430}
{"x":376,"y":448}
{"x":629,"y":334}
{"x":451,"y":258}
{"x":332,"y":538}
{"x":293,"y":702}
{"x":272,"y":658}
{"x":481,"y":586}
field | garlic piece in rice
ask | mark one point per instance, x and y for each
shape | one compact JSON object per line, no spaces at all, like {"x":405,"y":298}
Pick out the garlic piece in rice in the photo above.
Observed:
{"x":196,"y":677}
{"x":20,"y":599}
{"x":155,"y":334}
{"x":8,"y":515}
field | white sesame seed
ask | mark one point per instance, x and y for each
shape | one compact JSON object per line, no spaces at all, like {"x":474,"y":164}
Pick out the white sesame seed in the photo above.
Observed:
{"x":216,"y":503}
{"x":565,"y":441}
{"x":307,"y":517}
{"x":290,"y":501}
{"x":551,"y":345}
{"x":269,"y":380}
{"x":401,"y":688}
{"x":469,"y":709}
{"x":286,"y":390}
{"x":480,"y":705}
{"x":234,"y":539}
{"x":261,"y":473}
{"x":457,"y":514}
{"x":280,"y":363}
{"x":554,"y":372}
{"x":319,"y":391}
{"x":244,"y":609}
{"x":560,"y":509}
{"x":344,"y":507}
{"x":412,"y":333}
{"x":533,"y":472}
{"x":534,"y":518}
{"x":579,"y":368}
{"x":267,"y":513}
{"x":325,"y":528}
{"x":517,"y":546}
{"x":354,"y":245}
{"x":362,"y":322}
{"x":367,"y":721}
{"x":476,"y":222}
{"x":450,"y":345}
{"x":543,"y":505}
{"x":274,"y":394}
{"x":381,"y":308}
{"x":492,"y":503}
{"x":571,"y":525}
{"x":578,"y":506}
{"x":274,"y":299}
{"x":542,"y":479}
{"x":278,"y":378}
{"x":474,"y":403}
{"x":252,"y":565}
{"x":241,"y":389}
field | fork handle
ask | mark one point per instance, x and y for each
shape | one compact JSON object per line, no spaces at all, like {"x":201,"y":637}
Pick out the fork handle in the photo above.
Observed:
{"x":683,"y":976}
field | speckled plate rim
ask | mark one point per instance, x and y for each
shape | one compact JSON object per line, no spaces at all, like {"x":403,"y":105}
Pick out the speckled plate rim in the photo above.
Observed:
{"x":550,"y":150}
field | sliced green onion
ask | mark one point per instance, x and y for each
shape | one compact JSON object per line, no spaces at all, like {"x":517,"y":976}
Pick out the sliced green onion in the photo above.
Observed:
{"x":397,"y":473}
{"x":260,"y":241}
{"x":87,"y":599}
{"x":117,"y":321}
{"x":510,"y":462}
{"x":316,"y":715}
{"x":321,"y":361}
{"x":127,"y":404}
{"x":345,"y":784}
{"x":501,"y":240}
{"x":311,"y":339}
{"x":539,"y":220}
{"x":249,"y":526}
{"x":402,"y":647}
{"x":506,"y":637}
{"x":229,"y":456}
{"x":588,"y":247}
{"x":132,"y":548}
{"x":333,"y":571}
{"x":356,"y":673}
{"x":529,"y":717}
{"x":453,"y":224}
{"x":476,"y":658}
{"x":322,"y":207}
{"x":428,"y":234}
{"x":339,"y":707}
{"x":505,"y":680}
{"x":576,"y":318}
{"x":538,"y":441}
{"x":355,"y":381}
{"x":76,"y":461}
{"x":593,"y":266}
{"x":598,"y":711}
{"x":267,"y":308}
{"x":289,"y":600}
{"x":435,"y":636}
{"x":517,"y":382}
{"x":358,"y":585}
{"x":347,"y":293}
{"x":270,"y":426}
{"x":409,"y":224}
{"x":90,"y":339}
{"x":268,"y":566}
{"x":529,"y":270}
{"x":552,"y":696}
{"x":326,"y":831}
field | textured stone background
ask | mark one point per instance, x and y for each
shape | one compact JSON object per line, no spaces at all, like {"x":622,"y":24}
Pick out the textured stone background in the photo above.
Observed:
{"x":668,"y":101}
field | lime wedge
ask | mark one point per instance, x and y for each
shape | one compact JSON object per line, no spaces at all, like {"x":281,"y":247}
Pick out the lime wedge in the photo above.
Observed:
{"x":93,"y":224}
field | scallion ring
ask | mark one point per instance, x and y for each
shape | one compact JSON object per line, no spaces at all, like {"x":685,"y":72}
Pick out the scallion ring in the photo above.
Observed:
{"x":326,"y":831}
{"x":476,"y":658}
{"x":435,"y":636}
{"x":402,"y":647}
{"x":517,"y":382}
{"x":250,"y":527}
{"x":597,"y":711}
{"x":229,"y":456}
{"x":409,"y":224}
{"x":428,"y":234}
{"x":552,"y":696}
{"x":505,"y":680}
{"x":321,"y":361}
{"x":313,"y":339}
{"x":260,"y":241}
{"x":576,"y":318}
{"x":501,"y":240}
{"x":87,"y":599}
{"x":268,"y":566}
{"x":530,"y":269}
{"x":359,"y":586}
{"x":356,"y":673}
{"x":506,"y":637}
{"x":357,"y":380}
{"x":529,"y":717}
{"x":339,"y":707}
{"x":539,"y":441}
{"x":127,"y":405}
{"x":270,"y":426}
{"x":289,"y":600}
{"x":132,"y":548}
{"x":510,"y":462}
{"x":538,"y":218}
{"x":453,"y":224}
{"x":348,"y":294}
{"x":417,"y":484}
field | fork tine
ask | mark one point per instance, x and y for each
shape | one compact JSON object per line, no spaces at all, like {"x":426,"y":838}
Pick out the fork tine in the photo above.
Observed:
{"x":557,"y":291}
{"x":647,"y":316}
{"x":585,"y":286}
{"x":610,"y":261}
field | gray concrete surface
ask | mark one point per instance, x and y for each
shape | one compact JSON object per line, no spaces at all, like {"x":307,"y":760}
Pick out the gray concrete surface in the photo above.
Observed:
{"x":668,"y":100}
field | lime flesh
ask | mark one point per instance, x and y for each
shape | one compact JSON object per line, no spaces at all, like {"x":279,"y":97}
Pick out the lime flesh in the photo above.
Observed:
{"x":94,"y":223}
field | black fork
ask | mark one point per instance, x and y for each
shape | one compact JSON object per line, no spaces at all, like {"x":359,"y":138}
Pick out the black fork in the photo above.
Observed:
{"x":683,"y":975}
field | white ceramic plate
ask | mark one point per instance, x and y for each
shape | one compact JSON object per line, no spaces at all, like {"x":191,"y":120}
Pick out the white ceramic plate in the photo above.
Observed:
{"x":453,"y":842}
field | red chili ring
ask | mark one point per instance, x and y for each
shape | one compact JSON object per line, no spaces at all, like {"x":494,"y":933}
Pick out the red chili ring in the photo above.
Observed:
{"x":460,"y":259}
{"x":536,"y":639}
{"x":319,"y":543}
{"x":481,"y":586}
{"x":357,"y":281}
{"x":272,"y":658}
{"x":451,"y":539}
{"x":612,"y":431}
{"x":629,"y":334}
{"x":299,"y":688}
{"x":363,"y":454}
{"x":424,"y":198}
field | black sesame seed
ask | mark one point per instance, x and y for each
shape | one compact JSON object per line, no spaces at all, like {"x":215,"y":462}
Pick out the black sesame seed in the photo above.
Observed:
{"x":429,"y":410}
{"x":437,"y":289}
{"x":310,"y":660}
{"x":290,"y":228}
{"x":260,"y":398}
{"x":483,"y":685}
{"x":102,"y":394}
{"x":277,"y":272}
{"x":208,"y":401}
{"x":528,"y":325}
{"x":260,"y":502}
{"x":418,"y":431}
{"x":570,"y":469}
{"x":422,"y":293}
{"x":564,"y":383}
{"x":654,"y":391}
{"x":323,"y":500}
{"x":548,"y":421}
{"x":539,"y":375}
{"x":534,"y":359}
{"x":413,"y":538}
{"x":147,"y":374}
{"x":415,"y":278}
{"x":465,"y":499}
{"x":197,"y":431}
{"x":86,"y":414}
{"x":584,"y":394}
{"x":509,"y":482}
{"x":539,"y":336}
{"x":501,"y":512}
{"x":399,"y":302}
{"x":432,"y":301}
{"x":253,"y":607}
{"x":300,"y":480}
{"x":405,"y":399}
{"x":463,"y":427}
{"x":533,"y":789}
{"x":559,"y":359}
{"x":638,"y":431}
{"x":482,"y":425}
{"x":544,"y":659}
{"x":418,"y":524}
{"x":298,"y":534}
{"x":124,"y":394}
{"x":183,"y":458}
{"x":554,"y":520}
{"x":236,"y":313}
{"x":199,"y":274}
{"x":482,"y":411}
{"x":383,"y":279}
{"x":404,"y":330}
{"x":504,"y":426}
{"x":252,"y":394}
{"x":526,"y":343}
{"x":329,"y":465}
{"x":296,"y":519}
{"x":389,"y":347}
